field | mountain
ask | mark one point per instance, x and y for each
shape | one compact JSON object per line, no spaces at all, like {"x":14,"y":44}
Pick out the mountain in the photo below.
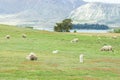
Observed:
{"x":102,"y":13}
{"x":37,"y":13}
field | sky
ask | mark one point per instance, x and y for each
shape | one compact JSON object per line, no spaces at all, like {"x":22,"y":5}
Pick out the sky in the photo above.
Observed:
{"x":105,"y":1}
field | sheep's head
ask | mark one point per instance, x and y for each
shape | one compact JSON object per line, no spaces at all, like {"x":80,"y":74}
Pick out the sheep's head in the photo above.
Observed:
{"x":31,"y":56}
{"x":24,"y":35}
{"x":7,"y":37}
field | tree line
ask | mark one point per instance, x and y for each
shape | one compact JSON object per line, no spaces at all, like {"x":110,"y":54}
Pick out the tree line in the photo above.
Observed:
{"x":90,"y":26}
{"x":66,"y":25}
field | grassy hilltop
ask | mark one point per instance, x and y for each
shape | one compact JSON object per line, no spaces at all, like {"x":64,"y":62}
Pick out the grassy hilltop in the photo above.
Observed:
{"x":62,"y":66}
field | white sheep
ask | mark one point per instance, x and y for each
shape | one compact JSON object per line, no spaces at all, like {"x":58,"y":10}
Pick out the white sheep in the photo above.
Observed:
{"x":7,"y":36}
{"x":107,"y":48}
{"x":24,"y":35}
{"x":114,"y":37}
{"x":81,"y":58}
{"x":31,"y":56}
{"x":55,"y":51}
{"x":74,"y":40}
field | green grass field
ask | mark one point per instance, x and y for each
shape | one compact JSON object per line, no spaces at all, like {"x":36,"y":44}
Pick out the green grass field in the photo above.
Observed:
{"x":62,"y":66}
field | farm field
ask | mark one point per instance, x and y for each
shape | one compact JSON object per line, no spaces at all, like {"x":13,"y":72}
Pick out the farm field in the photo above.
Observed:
{"x":65,"y":65}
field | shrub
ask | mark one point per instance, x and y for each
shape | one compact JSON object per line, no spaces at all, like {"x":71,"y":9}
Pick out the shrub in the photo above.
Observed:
{"x":75,"y":31}
{"x":116,"y":30}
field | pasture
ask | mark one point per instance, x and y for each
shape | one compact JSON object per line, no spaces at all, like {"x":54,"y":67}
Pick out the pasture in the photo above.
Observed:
{"x":65,"y":65}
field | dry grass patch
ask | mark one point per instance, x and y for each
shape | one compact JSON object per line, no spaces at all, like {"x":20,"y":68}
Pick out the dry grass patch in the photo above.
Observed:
{"x":107,"y":60}
{"x":89,"y":78}
{"x":99,"y":34}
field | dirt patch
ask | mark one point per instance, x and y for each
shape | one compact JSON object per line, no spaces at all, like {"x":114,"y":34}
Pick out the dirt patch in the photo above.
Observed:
{"x":82,"y":78}
{"x":7,"y":71}
{"x":54,"y":65}
{"x":32,"y":63}
{"x":106,"y":69}
{"x":107,"y":60}
{"x":89,"y":78}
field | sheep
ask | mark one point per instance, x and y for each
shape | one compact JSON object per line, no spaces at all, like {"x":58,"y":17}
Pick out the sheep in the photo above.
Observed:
{"x":7,"y":36}
{"x":55,"y":51}
{"x":114,"y":37}
{"x":81,"y":58}
{"x":107,"y":48}
{"x":74,"y":40}
{"x":24,"y":35}
{"x":31,"y":56}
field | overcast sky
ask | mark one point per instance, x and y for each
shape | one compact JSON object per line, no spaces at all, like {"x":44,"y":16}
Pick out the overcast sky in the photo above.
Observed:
{"x":106,"y":1}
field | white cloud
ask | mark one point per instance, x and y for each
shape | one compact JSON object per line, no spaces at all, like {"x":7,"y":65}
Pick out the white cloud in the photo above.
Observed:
{"x":105,"y":1}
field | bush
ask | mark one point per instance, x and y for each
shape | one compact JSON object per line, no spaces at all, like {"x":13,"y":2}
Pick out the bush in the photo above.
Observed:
{"x":75,"y":31}
{"x":64,"y":26}
{"x":116,"y":30}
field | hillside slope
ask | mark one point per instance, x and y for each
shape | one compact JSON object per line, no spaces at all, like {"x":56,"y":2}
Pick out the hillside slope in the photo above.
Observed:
{"x":62,"y":66}
{"x":101,"y":13}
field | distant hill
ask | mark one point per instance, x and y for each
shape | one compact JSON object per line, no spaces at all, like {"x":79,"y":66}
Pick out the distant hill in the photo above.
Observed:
{"x":102,"y":13}
{"x":37,"y":13}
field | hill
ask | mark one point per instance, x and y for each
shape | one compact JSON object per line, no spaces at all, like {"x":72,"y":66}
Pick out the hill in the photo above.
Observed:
{"x":41,"y":14}
{"x":100,"y":13}
{"x":62,"y":66}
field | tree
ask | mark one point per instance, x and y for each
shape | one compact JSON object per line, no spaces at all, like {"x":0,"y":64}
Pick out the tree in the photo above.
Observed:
{"x":64,"y":26}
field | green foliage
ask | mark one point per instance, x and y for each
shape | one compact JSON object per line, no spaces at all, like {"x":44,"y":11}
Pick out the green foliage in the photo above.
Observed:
{"x":75,"y":31}
{"x":116,"y":30}
{"x":64,"y":26}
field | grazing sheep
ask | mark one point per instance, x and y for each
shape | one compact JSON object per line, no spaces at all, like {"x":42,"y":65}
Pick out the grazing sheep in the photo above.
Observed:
{"x":7,"y":36}
{"x":55,"y":52}
{"x":81,"y":58}
{"x":31,"y":56}
{"x":114,"y":37}
{"x":24,"y":35}
{"x":74,"y":40}
{"x":107,"y":48}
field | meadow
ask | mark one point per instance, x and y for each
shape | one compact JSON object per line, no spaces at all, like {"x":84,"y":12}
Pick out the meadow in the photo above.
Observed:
{"x":98,"y":65}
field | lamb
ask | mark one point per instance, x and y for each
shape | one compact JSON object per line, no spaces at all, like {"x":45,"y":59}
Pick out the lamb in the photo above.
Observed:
{"x":31,"y":56}
{"x":107,"y":48}
{"x":24,"y":35}
{"x":7,"y":36}
{"x":74,"y":40}
{"x":55,"y":51}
